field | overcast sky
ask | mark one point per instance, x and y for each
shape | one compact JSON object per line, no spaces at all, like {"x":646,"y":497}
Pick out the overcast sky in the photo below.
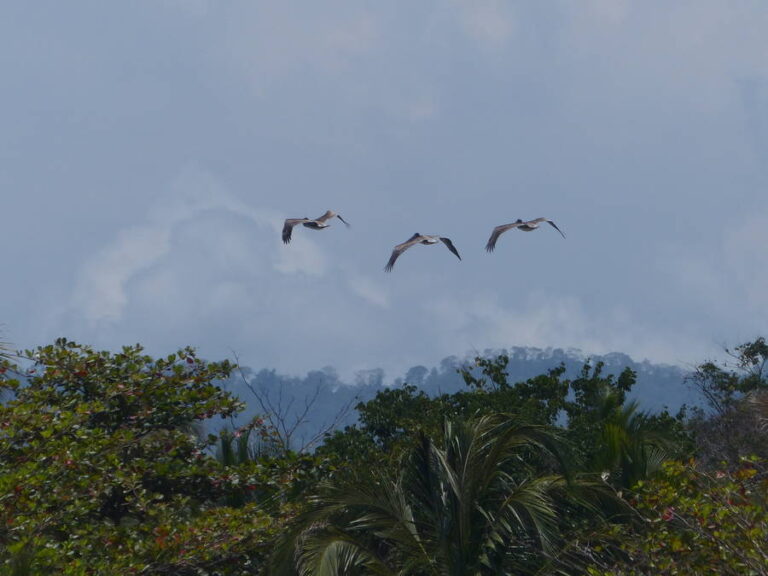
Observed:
{"x":150,"y":150}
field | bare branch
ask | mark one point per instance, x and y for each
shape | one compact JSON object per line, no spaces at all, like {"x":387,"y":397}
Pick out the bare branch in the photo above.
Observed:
{"x":281,"y":417}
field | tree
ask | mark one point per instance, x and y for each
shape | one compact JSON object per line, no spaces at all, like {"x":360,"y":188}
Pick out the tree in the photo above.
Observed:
{"x":101,"y":471}
{"x":387,"y":425}
{"x":469,"y":504}
{"x":692,"y":521}
{"x":287,"y":408}
{"x":609,"y":435}
{"x":540,"y":399}
{"x":731,"y":427}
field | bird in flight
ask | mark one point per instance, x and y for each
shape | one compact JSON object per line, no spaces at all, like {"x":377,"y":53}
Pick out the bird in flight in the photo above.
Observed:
{"x":418,"y":239}
{"x":525,"y":226}
{"x":316,"y":224}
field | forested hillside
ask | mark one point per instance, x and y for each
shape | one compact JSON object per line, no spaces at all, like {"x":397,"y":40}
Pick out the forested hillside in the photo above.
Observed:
{"x":106,"y":468}
{"x":322,"y":400}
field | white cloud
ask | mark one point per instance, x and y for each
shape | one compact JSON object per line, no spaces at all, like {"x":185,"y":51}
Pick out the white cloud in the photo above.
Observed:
{"x":302,"y":256}
{"x":100,"y":293}
{"x":207,"y":270}
{"x":617,"y":116}
{"x":369,"y":289}
{"x":548,"y":320}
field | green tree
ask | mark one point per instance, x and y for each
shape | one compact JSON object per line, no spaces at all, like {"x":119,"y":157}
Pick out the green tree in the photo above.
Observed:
{"x":609,"y":434}
{"x":387,"y":425}
{"x":540,"y":399}
{"x":389,"y":422}
{"x":101,"y":471}
{"x":469,"y":504}
{"x":695,"y":522}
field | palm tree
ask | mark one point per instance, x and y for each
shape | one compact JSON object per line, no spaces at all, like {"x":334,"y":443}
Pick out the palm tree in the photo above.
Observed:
{"x":473,"y":505}
{"x":628,"y":445}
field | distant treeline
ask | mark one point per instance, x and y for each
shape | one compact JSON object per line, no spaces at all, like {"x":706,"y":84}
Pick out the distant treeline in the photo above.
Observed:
{"x":321,"y":400}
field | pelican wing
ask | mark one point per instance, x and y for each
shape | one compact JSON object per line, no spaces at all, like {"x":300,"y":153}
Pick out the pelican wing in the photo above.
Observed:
{"x":498,"y":231}
{"x":451,"y":247}
{"x":288,"y":227}
{"x":538,"y":220}
{"x":327,"y":216}
{"x":400,"y":248}
{"x":556,"y":228}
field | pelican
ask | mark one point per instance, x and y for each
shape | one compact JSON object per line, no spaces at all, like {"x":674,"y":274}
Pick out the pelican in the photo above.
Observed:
{"x":418,"y":239}
{"x":525,"y":226}
{"x":316,"y":224}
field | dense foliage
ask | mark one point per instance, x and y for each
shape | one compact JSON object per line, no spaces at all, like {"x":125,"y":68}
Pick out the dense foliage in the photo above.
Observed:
{"x":692,"y":521}
{"x":103,"y":469}
{"x":477,"y":500}
{"x":106,"y":468}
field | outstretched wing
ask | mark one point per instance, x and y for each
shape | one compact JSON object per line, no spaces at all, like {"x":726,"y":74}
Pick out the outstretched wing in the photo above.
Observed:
{"x":288,"y":227}
{"x":556,"y":228}
{"x":399,"y":249}
{"x":451,"y":247}
{"x":538,"y":220}
{"x":327,"y":216}
{"x":498,"y":231}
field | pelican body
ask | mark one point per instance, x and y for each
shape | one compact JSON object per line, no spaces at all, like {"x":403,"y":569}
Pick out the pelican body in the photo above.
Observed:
{"x":524,"y":225}
{"x":418,"y":239}
{"x":319,"y":223}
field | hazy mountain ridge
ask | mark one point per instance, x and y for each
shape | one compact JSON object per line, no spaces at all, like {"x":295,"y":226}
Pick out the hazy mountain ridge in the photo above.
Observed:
{"x":322,"y":399}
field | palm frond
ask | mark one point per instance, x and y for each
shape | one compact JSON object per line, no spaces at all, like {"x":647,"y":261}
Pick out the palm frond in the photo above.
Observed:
{"x":331,"y":552}
{"x":474,"y":503}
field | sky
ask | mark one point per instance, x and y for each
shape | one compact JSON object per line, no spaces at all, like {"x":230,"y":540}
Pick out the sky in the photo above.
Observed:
{"x":150,"y":151}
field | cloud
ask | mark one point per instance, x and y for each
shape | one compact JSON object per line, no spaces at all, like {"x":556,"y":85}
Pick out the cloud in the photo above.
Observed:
{"x":718,"y":287}
{"x":729,"y":278}
{"x":101,"y":294}
{"x":552,"y":320}
{"x":304,"y":257}
{"x":614,"y":117}
{"x":208,"y":270}
{"x":369,"y":289}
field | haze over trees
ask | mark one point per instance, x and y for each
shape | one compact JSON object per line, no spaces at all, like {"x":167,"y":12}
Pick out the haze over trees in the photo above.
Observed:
{"x":657,"y":386}
{"x":121,"y":463}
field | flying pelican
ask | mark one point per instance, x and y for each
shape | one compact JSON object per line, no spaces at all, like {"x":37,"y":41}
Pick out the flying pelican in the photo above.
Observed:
{"x":527,"y":226}
{"x":316,"y":224}
{"x":418,"y":239}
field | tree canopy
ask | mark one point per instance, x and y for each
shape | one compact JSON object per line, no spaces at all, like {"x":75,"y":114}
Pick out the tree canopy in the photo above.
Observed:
{"x":108,"y":466}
